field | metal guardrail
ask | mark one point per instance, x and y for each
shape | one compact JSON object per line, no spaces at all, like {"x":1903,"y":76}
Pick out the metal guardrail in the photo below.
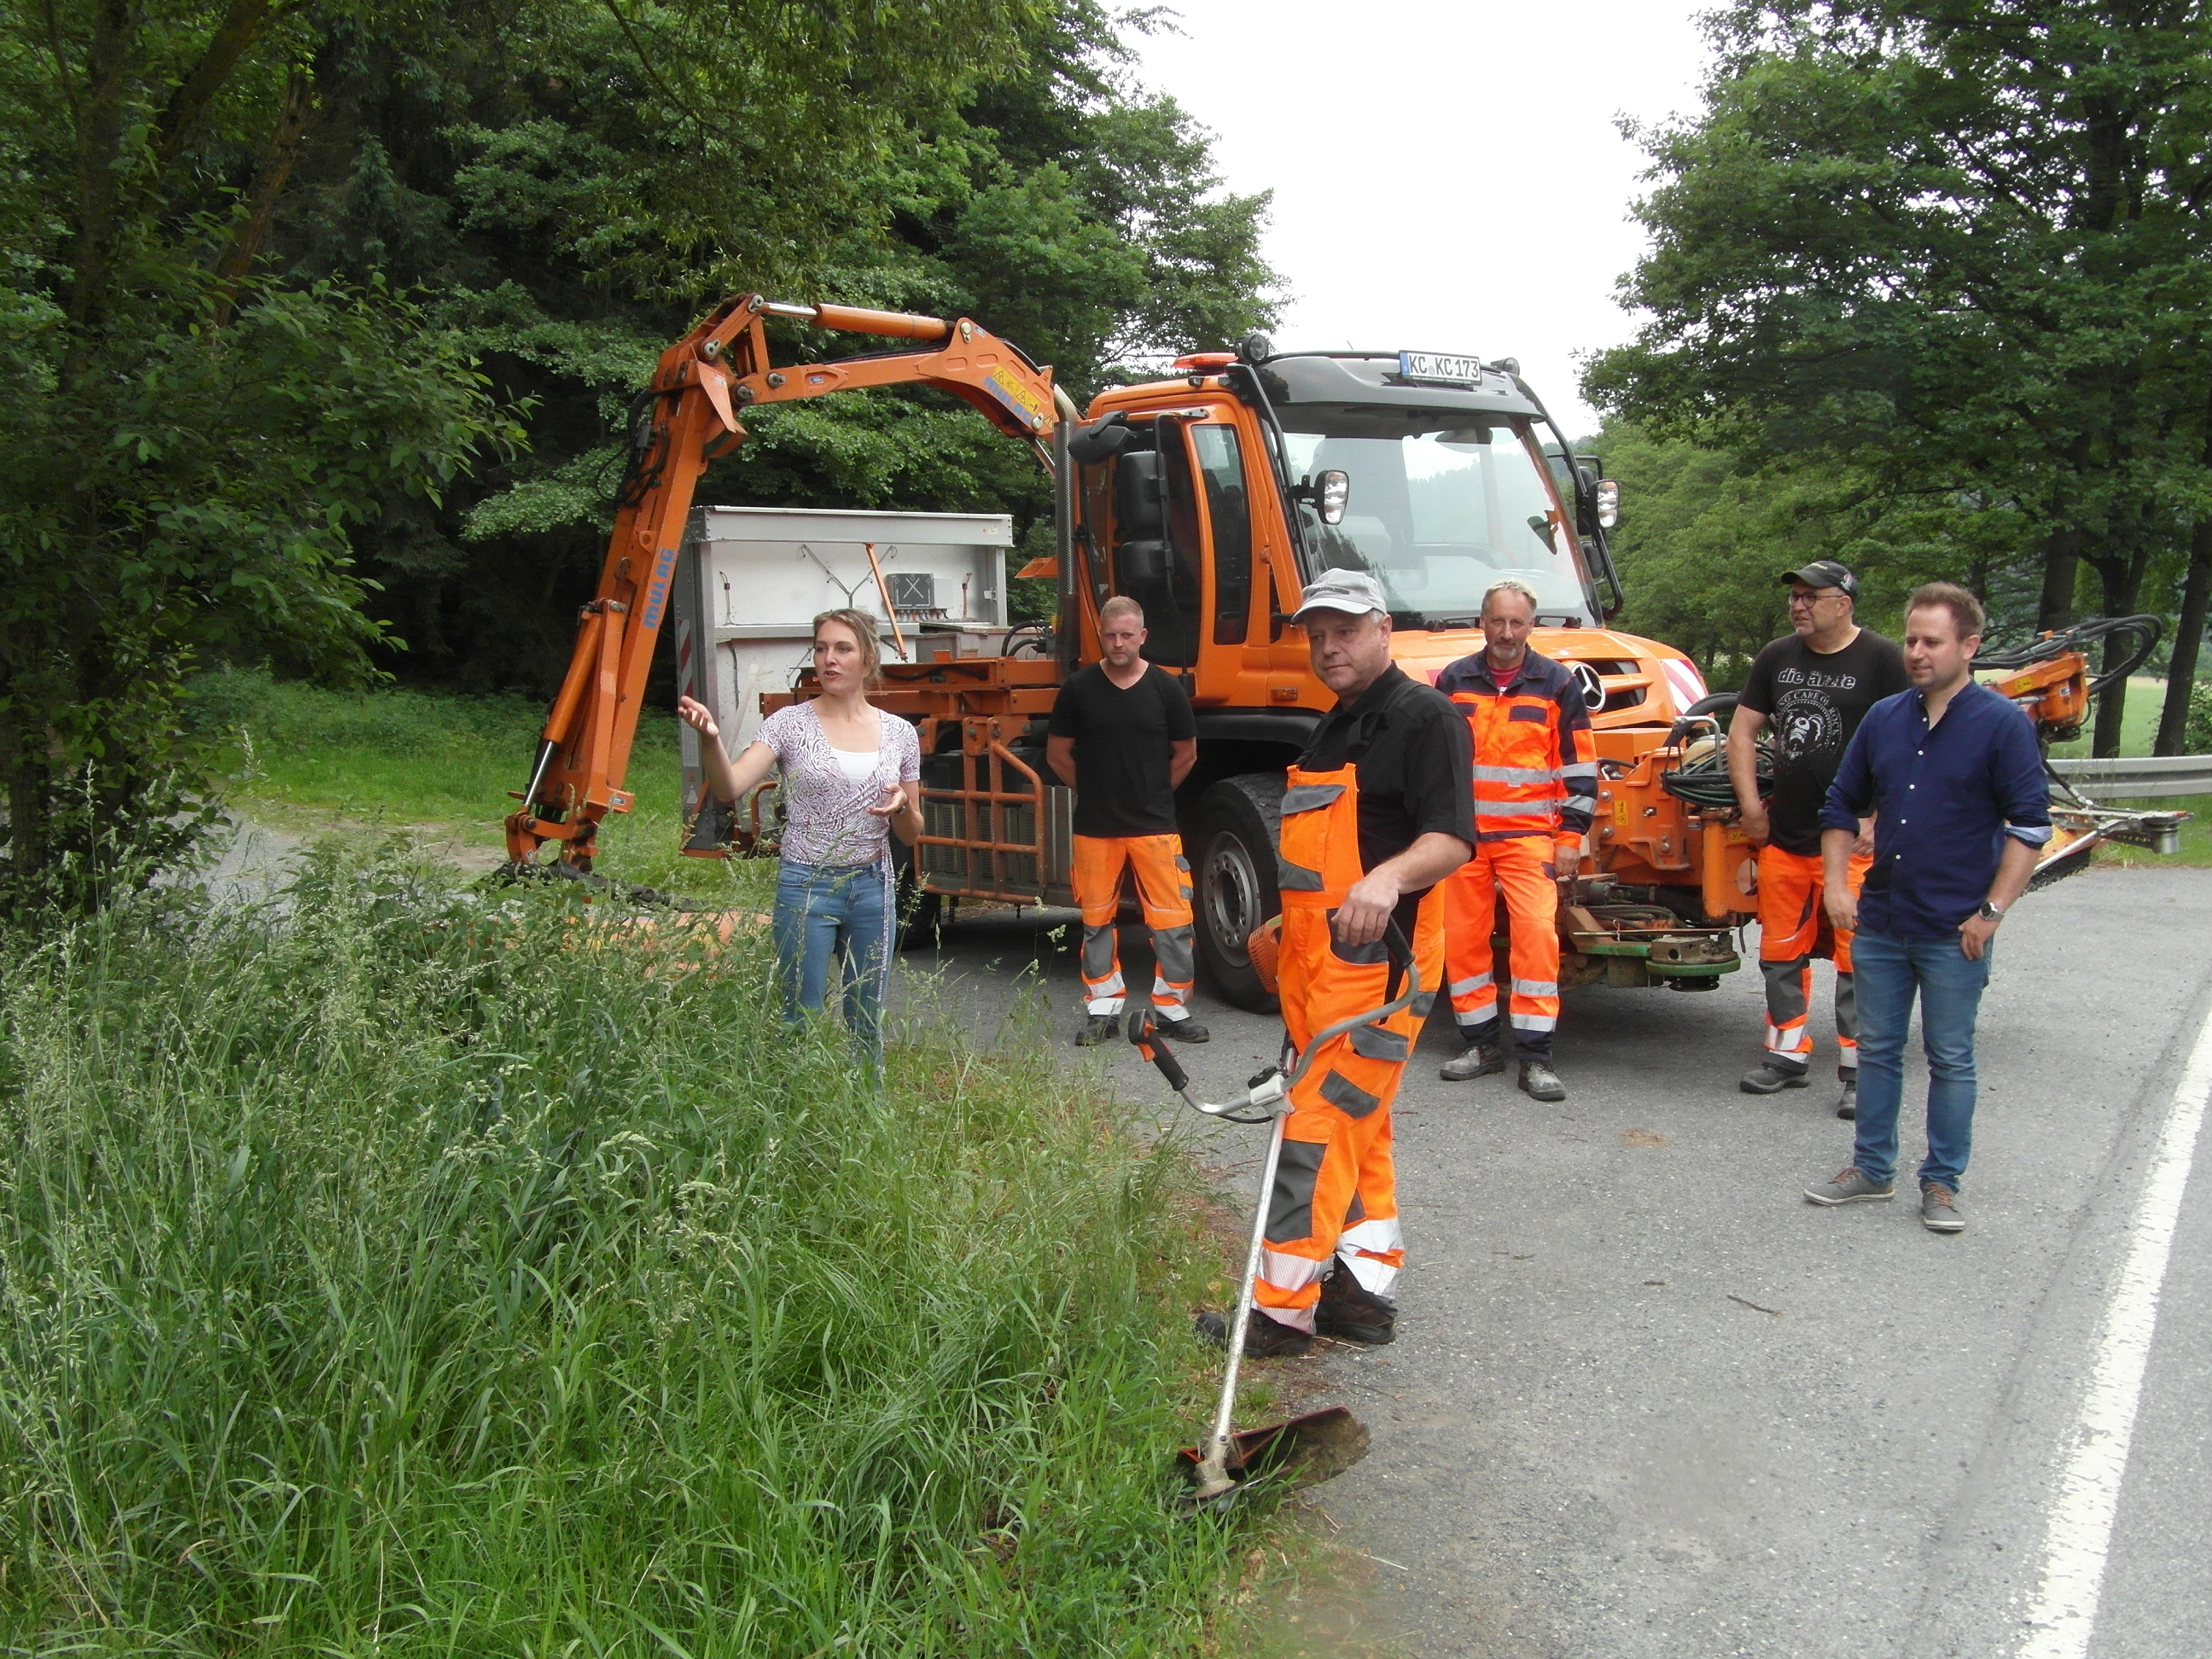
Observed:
{"x":2142,"y":777}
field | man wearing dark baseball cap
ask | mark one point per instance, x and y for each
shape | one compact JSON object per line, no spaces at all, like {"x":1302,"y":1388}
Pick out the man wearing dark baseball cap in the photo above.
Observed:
{"x":1814,"y":685}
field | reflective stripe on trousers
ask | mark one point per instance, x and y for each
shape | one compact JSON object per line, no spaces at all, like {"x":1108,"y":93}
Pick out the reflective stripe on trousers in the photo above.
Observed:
{"x":1163,"y":888}
{"x":1336,"y":1191}
{"x":1521,"y":868}
{"x":1792,"y":929}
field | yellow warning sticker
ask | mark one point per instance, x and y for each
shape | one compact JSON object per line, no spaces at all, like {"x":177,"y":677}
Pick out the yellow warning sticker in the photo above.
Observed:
{"x":1021,"y":399}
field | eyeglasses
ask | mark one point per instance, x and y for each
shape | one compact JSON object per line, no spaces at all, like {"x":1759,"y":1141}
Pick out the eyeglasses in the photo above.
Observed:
{"x":1814,"y":598}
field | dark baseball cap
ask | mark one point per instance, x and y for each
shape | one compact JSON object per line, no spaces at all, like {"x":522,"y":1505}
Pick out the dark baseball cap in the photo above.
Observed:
{"x":1823,"y":573}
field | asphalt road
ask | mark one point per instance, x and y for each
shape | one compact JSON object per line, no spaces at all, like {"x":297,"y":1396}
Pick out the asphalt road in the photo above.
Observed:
{"x":1645,"y":1400}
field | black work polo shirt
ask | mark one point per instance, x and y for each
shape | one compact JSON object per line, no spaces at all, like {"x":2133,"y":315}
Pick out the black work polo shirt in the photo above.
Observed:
{"x":1416,"y":765}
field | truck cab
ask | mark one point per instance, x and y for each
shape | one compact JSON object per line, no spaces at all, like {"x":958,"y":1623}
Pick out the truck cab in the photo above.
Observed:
{"x":1212,"y":499}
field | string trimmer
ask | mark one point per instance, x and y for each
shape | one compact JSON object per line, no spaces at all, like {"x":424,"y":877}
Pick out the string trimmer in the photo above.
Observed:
{"x":1322,"y":1444}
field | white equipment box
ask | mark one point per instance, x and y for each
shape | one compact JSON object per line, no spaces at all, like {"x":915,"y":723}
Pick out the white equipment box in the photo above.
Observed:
{"x":751,"y":579}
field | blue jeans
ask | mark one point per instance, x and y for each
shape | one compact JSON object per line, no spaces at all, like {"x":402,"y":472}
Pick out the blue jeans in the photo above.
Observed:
{"x":1887,"y":972}
{"x":840,"y":911}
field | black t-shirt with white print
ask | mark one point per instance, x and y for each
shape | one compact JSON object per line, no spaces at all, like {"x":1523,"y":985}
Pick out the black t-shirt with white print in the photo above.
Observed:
{"x":1813,"y":701}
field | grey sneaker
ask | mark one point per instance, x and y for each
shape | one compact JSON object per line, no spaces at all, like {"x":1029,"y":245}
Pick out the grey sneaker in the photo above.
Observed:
{"x":1480,"y":1060}
{"x":1768,"y":1078}
{"x":1539,"y":1082}
{"x":1939,"y":1209}
{"x":1850,"y":1186}
{"x":1847,"y":1108}
{"x":1097,"y":1029}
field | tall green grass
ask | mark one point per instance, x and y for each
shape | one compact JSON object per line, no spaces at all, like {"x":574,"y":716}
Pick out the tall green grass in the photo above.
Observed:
{"x":393,"y":1270}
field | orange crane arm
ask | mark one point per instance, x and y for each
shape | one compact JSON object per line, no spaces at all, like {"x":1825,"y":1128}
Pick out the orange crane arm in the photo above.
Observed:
{"x":689,"y":417}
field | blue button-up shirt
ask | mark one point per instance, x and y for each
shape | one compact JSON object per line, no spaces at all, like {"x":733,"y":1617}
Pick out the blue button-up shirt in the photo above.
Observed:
{"x":1946,"y":797}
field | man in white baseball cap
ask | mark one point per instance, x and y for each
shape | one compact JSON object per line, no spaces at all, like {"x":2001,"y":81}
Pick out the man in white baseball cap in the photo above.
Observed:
{"x":1376,"y":812}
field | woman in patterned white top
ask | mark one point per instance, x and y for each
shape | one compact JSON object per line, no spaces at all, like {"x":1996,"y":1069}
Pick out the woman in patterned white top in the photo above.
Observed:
{"x":850,"y":778}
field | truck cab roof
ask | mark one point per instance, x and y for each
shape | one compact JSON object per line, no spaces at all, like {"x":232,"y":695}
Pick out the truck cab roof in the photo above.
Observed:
{"x":1374,"y":377}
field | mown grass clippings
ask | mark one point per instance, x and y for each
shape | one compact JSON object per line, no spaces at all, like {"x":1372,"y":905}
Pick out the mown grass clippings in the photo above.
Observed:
{"x":380,"y":1274}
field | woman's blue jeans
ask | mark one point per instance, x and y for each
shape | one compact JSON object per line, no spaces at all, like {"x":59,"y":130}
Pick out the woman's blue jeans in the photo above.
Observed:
{"x":1888,"y":973}
{"x":840,"y":912}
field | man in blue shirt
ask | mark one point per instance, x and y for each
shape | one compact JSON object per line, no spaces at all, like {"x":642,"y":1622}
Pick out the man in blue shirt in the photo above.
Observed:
{"x":1956,"y":777}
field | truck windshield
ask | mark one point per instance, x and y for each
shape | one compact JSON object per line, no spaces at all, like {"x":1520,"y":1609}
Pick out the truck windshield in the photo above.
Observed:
{"x":1438,"y":512}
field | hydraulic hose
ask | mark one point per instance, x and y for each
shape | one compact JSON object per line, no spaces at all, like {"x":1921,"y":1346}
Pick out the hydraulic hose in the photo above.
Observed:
{"x":1704,"y":782}
{"x":2146,"y":629}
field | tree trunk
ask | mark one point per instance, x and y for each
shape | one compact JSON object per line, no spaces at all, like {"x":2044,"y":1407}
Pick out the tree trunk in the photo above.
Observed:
{"x":2122,"y":580}
{"x":2181,"y":671}
{"x":2061,"y":558}
{"x":267,"y":184}
{"x":100,"y":134}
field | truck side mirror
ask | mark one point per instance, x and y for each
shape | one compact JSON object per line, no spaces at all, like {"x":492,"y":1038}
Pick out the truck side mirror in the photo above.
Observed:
{"x":1608,"y":503}
{"x":1139,"y":565}
{"x":1331,"y":491}
{"x":1136,"y":516}
{"x":1087,"y":446}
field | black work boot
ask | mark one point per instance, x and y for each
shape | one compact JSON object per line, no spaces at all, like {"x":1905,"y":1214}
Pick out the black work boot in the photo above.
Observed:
{"x":1768,"y":1078}
{"x":1350,"y":1312}
{"x":1185,"y":1029}
{"x":1264,"y":1338}
{"x":1480,"y":1060}
{"x":1847,"y":1108}
{"x":1097,"y":1029}
{"x":1539,"y":1082}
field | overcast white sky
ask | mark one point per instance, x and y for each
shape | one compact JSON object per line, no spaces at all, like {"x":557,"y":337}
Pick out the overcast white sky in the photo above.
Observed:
{"x":1446,"y":173}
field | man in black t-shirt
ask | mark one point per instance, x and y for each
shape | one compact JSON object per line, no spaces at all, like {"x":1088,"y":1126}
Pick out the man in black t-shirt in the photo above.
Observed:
{"x":1377,"y":812}
{"x":1814,"y":687}
{"x":1123,"y":737}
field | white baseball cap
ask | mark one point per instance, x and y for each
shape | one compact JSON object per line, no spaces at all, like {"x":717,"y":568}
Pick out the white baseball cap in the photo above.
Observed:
{"x":1351,"y":592}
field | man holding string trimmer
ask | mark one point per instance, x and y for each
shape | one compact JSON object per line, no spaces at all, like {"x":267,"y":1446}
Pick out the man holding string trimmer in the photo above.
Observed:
{"x":1377,"y":812}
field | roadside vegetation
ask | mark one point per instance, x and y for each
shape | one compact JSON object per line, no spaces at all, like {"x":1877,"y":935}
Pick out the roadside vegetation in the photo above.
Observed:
{"x":391,"y":1268}
{"x":311,"y":760}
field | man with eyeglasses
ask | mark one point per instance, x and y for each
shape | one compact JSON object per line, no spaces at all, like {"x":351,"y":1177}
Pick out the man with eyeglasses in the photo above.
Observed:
{"x":1814,"y":686}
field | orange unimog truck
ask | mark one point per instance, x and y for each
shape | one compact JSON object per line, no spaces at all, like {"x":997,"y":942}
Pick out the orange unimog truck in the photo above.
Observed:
{"x":1212,"y":497}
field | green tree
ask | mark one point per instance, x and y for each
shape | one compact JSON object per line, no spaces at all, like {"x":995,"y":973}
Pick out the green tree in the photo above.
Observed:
{"x":571,"y":221}
{"x":1704,"y":535}
{"x":251,"y":361}
{"x":1959,"y":247}
{"x":184,"y":449}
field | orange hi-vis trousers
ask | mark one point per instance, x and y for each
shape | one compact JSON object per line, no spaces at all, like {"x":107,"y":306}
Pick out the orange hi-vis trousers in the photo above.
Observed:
{"x":1792,"y":929}
{"x":1520,"y":868}
{"x":1164,"y":890}
{"x":1336,"y":1188}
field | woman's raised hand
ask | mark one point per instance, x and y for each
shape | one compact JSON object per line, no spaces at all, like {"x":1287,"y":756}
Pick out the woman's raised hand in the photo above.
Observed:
{"x":696,"y":715}
{"x":893,"y":803}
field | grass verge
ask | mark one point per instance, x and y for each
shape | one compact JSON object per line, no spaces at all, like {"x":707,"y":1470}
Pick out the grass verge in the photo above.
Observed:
{"x":309,"y":759}
{"x":388,"y":1269}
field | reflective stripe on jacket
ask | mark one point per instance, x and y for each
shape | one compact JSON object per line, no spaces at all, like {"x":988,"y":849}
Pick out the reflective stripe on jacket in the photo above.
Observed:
{"x":1536,"y":769}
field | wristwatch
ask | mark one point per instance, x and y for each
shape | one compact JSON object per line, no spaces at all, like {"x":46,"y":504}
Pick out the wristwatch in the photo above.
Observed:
{"x":1990,"y":912}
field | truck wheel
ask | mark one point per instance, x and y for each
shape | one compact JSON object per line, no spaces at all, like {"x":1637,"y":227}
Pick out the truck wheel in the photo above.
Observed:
{"x":1233,"y":885}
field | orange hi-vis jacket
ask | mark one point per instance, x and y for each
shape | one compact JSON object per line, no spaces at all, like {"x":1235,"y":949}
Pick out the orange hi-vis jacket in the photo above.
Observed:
{"x":1535,"y":771}
{"x":1335,"y":1191}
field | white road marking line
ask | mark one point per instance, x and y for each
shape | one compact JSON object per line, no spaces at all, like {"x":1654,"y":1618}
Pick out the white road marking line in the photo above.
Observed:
{"x":2079,"y":1537}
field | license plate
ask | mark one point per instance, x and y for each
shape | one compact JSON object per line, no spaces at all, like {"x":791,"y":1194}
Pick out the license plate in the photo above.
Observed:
{"x":1436,"y":366}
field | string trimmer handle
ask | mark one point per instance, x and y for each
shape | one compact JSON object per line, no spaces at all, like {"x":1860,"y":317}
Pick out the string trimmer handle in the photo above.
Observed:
{"x":1144,"y":1030}
{"x":1267,"y":1095}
